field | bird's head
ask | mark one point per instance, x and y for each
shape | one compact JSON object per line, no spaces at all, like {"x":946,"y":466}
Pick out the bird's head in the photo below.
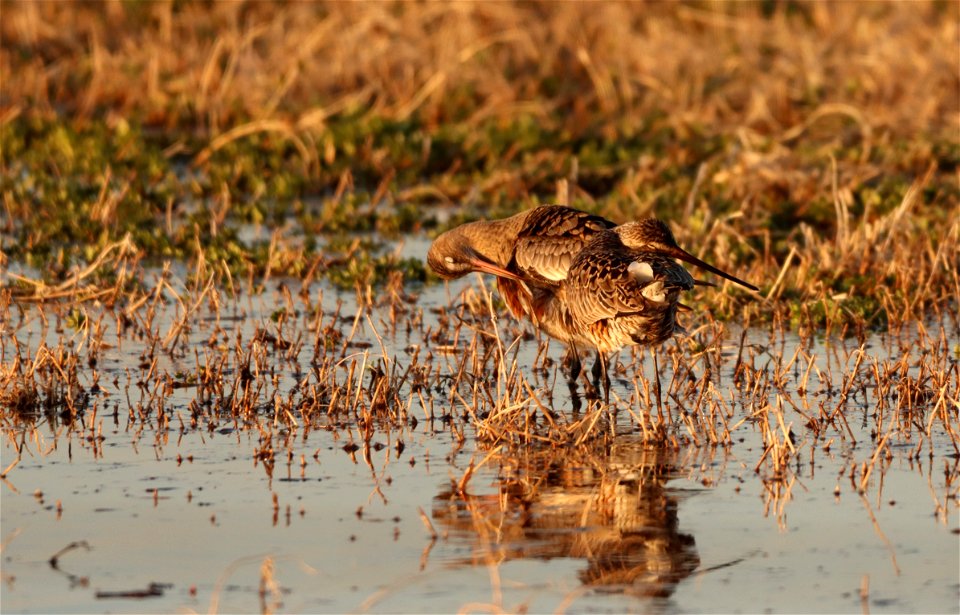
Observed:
{"x":647,"y":234}
{"x":653,"y":235}
{"x":452,"y":256}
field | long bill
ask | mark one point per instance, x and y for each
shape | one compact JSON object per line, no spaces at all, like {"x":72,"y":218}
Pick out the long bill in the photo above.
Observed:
{"x":484,"y":266}
{"x":693,"y":260}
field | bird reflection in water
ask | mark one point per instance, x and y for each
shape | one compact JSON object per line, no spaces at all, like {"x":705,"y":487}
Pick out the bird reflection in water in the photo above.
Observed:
{"x":608,"y":506}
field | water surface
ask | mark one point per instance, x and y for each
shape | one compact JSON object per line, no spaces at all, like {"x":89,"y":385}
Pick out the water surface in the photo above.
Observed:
{"x":173,"y":507}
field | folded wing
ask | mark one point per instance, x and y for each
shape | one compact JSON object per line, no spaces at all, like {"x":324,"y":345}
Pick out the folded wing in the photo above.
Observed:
{"x":607,"y":281}
{"x":550,"y":240}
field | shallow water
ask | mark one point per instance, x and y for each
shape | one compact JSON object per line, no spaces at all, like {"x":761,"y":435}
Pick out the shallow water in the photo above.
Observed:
{"x":609,"y":525}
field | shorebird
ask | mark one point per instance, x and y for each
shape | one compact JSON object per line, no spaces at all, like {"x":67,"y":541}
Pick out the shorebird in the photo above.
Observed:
{"x":530,"y":253}
{"x":623,"y":288}
{"x":579,"y":278}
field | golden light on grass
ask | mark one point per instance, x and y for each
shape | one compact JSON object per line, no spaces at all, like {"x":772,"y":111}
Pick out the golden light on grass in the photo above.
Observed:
{"x":816,"y":151}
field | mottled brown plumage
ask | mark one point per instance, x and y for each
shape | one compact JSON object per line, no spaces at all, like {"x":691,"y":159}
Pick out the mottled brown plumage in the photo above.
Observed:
{"x":529,"y":253}
{"x":539,"y":243}
{"x":624,"y":287}
{"x":578,"y":277}
{"x":549,"y":239}
{"x":619,"y":296}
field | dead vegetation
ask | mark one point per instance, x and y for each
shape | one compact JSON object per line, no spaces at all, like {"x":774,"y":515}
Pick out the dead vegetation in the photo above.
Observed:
{"x":766,"y":405}
{"x":235,"y":69}
{"x":372,"y":372}
{"x":809,"y":147}
{"x":812,"y":150}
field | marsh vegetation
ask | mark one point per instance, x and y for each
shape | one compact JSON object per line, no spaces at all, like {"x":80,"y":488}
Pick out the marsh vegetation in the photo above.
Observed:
{"x":218,"y":330}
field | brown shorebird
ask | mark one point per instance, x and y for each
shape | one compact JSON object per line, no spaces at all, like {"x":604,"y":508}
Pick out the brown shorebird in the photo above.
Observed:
{"x":529,"y":253}
{"x":578,"y":277}
{"x":623,"y":288}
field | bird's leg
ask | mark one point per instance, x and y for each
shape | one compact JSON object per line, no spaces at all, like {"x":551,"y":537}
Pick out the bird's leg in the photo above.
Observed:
{"x":597,"y":370}
{"x":591,"y":385}
{"x":600,"y":371}
{"x":572,"y":366}
{"x":606,"y":381}
{"x":574,"y":397}
{"x":656,"y":375}
{"x":571,"y":363}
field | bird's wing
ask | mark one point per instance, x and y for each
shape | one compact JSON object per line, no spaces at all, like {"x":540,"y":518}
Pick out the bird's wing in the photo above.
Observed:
{"x":600,"y":286}
{"x":550,"y":239}
{"x":610,"y":283}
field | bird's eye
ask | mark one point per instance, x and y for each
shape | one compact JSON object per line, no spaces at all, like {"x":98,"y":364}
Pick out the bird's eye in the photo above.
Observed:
{"x":448,"y":259}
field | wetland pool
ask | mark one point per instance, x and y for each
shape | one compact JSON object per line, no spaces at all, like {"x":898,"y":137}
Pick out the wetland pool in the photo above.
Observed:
{"x":295,"y":452}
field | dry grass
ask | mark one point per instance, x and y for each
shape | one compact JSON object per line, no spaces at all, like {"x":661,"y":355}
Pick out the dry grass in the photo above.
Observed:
{"x":376,"y":375}
{"x":811,"y":148}
{"x":306,"y":367}
{"x":813,"y":151}
{"x":222,"y":65}
{"x":800,"y":84}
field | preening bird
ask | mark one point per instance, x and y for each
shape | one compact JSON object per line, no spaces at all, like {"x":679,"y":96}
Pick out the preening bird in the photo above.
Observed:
{"x":530,"y":253}
{"x":579,"y":278}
